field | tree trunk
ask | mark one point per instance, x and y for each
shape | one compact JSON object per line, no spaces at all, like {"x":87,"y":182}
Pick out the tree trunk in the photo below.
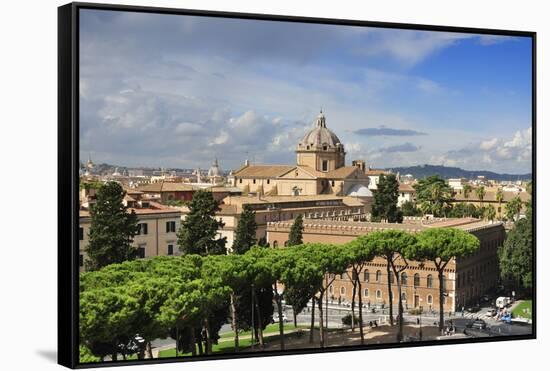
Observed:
{"x":234,"y":321}
{"x":361,"y":312}
{"x":312,"y":328}
{"x":353,"y":293}
{"x":400,"y":308}
{"x":199,"y":343}
{"x":114,"y":356}
{"x":278,"y":300}
{"x":259,"y":321}
{"x":321,"y":324}
{"x":149,"y":350}
{"x":208,"y":339}
{"x":441,"y":296}
{"x":294,"y":315}
{"x":390,"y":295}
{"x":193,"y":342}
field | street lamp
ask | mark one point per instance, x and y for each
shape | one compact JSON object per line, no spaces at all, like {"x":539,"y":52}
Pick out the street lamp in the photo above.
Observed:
{"x":420,"y":324}
{"x":252,"y":324}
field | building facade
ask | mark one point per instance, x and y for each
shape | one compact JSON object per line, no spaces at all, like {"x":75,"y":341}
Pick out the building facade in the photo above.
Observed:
{"x":157,"y":224}
{"x":320,"y":169}
{"x":464,"y":279}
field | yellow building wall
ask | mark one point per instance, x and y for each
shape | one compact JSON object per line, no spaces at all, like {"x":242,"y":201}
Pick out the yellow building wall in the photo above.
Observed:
{"x":155,"y":242}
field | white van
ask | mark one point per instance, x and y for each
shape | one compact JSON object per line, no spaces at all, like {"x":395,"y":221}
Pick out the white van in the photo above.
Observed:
{"x":502,"y":302}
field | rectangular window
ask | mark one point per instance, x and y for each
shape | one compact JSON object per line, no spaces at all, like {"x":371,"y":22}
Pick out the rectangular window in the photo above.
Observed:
{"x":170,"y":249}
{"x":142,"y":229}
{"x":170,"y":227}
{"x":80,"y":234}
{"x":325,"y":165}
{"x":141,"y":252}
{"x":240,"y":180}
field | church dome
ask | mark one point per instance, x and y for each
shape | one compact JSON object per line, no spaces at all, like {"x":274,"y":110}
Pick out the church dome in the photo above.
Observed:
{"x":320,"y":136}
{"x":359,"y":190}
{"x":214,"y":170}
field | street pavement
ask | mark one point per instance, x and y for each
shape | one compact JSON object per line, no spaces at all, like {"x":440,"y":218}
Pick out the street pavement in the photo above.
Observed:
{"x":334,"y":313}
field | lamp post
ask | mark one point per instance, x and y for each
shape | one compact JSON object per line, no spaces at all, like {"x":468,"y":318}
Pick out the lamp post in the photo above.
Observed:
{"x":420,"y":324}
{"x":252,"y":324}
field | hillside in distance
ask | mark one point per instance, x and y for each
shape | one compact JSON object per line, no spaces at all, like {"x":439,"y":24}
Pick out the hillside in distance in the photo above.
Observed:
{"x":422,"y":171}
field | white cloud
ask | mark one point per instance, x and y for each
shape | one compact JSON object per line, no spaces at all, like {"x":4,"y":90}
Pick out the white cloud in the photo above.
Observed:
{"x":487,"y":145}
{"x":501,"y":154}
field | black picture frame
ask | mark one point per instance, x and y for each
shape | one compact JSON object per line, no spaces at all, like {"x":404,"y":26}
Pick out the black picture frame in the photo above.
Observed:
{"x":68,"y":174}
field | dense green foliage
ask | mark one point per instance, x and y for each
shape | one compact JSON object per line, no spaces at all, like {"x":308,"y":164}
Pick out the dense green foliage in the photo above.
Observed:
{"x":296,"y":231}
{"x":245,"y":234}
{"x":409,"y":208}
{"x":198,"y":232}
{"x":433,"y":195}
{"x":190,"y":297}
{"x":516,"y":255}
{"x":512,"y":208}
{"x":440,"y":245}
{"x":112,"y":228}
{"x":385,"y":200}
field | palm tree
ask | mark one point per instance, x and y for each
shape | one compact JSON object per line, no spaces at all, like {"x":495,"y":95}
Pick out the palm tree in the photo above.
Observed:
{"x":467,"y":188}
{"x":480,"y":193}
{"x":513,"y":208}
{"x":499,"y":197}
{"x":490,"y":213}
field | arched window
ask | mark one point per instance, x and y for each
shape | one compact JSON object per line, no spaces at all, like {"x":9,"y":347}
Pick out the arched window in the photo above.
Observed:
{"x":331,"y":289}
{"x":430,"y":299}
{"x":416,"y":280}
{"x":392,"y":278}
{"x":378,"y":275}
{"x":430,"y":281}
{"x":404,"y":296}
{"x":275,"y":243}
{"x":378,"y":294}
{"x":342,"y":290}
{"x":366,"y":275}
{"x":366,"y":293}
{"x":404,"y":279}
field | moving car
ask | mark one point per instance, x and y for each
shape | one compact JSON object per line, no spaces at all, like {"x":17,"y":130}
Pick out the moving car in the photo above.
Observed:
{"x":491,"y":312}
{"x":479,"y":324}
{"x":275,"y":318}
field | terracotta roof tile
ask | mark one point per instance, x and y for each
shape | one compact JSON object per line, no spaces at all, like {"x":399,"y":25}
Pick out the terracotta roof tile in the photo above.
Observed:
{"x":262,"y":171}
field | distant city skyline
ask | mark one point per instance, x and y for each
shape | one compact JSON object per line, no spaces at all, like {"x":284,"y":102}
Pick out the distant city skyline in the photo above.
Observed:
{"x":178,"y":91}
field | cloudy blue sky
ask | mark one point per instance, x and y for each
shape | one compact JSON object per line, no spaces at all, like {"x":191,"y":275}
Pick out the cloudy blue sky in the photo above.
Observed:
{"x":177,"y":91}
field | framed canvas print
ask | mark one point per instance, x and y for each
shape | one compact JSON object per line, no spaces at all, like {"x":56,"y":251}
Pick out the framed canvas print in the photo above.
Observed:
{"x":242,"y":185}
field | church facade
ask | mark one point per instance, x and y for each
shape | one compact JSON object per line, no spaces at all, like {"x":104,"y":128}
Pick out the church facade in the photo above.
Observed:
{"x":320,"y":169}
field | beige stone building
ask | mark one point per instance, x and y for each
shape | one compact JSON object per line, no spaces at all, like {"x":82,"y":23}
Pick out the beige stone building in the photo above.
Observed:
{"x":284,"y":208}
{"x":465,"y":279}
{"x":158,"y":225}
{"x":320,"y":169}
{"x":490,"y":199}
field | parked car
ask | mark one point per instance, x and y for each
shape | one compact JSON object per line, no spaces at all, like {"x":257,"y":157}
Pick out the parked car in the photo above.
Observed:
{"x":275,"y":318}
{"x":491,"y":312}
{"x":479,"y":324}
{"x":473,"y":309}
{"x":502,"y":302}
